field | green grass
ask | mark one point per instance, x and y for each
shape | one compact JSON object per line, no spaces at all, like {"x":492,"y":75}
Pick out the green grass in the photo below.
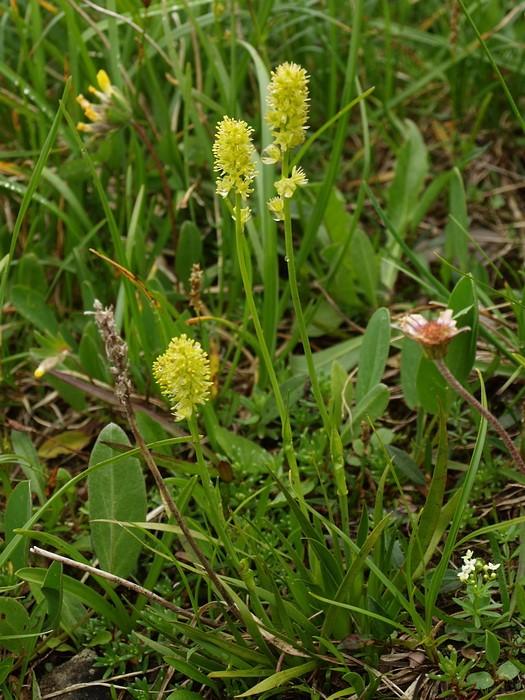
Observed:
{"x":327,"y":492}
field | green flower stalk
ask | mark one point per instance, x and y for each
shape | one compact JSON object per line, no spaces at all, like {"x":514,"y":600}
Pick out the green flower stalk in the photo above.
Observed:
{"x":287,"y":116}
{"x":233,"y":151}
{"x":183,"y":375}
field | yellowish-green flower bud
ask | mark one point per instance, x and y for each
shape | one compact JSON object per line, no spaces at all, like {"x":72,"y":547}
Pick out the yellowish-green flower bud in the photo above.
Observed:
{"x":286,"y":186}
{"x":183,"y":375}
{"x":288,"y":105}
{"x":233,"y":150}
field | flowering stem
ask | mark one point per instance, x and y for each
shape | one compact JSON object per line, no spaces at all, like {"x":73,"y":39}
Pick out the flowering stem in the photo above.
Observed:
{"x":489,"y":417}
{"x":285,"y":420}
{"x":173,"y":509}
{"x":298,"y":309}
{"x":216,"y":512}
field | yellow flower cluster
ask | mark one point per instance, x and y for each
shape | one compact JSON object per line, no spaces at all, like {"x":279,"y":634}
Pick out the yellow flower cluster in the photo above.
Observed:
{"x":183,"y":375}
{"x":287,"y":109}
{"x":233,"y":150}
{"x":110,"y":112}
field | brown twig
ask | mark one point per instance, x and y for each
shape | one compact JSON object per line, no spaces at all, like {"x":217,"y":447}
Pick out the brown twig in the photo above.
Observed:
{"x":122,"y":582}
{"x":489,"y":417}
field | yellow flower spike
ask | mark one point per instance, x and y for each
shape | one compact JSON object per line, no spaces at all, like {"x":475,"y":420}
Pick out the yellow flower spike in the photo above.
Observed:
{"x":104,"y":82}
{"x":183,"y":375}
{"x":287,"y":106}
{"x":233,"y":151}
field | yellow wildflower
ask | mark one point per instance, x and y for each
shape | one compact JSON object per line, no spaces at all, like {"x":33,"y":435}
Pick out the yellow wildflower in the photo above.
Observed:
{"x":183,"y":375}
{"x":287,"y":107}
{"x":110,"y":112}
{"x":233,"y":150}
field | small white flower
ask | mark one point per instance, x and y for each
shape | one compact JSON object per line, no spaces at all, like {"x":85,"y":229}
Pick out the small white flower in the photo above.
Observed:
{"x":469,"y":566}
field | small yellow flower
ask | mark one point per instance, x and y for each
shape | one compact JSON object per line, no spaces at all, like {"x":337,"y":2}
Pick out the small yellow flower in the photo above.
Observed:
{"x":183,"y":375}
{"x":287,"y":106}
{"x":109,"y":113}
{"x":276,"y":207}
{"x":286,"y":186}
{"x":104,"y":82}
{"x":233,"y":150}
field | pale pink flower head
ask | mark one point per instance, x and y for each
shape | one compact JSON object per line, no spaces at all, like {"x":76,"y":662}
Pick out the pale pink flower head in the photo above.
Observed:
{"x":434,"y":335}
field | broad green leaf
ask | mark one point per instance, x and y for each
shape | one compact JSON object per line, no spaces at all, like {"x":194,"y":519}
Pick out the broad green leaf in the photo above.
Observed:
{"x":462,"y":351}
{"x":481,"y":680}
{"x":30,"y":273}
{"x":82,"y":591}
{"x":246,"y":453}
{"x":52,"y":589}
{"x":30,"y":464}
{"x":116,"y":492}
{"x":433,"y":392}
{"x":492,"y":647}
{"x":352,"y":583}
{"x":90,"y":353}
{"x":14,"y":621}
{"x":507,"y":671}
{"x":456,"y":238}
{"x":346,"y":353}
{"x":370,"y":408}
{"x":405,"y":465}
{"x":403,"y":195}
{"x":411,"y":354}
{"x":374,"y":353}
{"x":6,"y":666}
{"x":189,"y":670}
{"x":430,"y":514}
{"x":31,"y":304}
{"x":18,"y":512}
{"x":365,"y":266}
{"x":279,"y":679}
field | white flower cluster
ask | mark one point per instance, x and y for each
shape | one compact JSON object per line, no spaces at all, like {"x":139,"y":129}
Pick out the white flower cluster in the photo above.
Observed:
{"x":471,"y":565}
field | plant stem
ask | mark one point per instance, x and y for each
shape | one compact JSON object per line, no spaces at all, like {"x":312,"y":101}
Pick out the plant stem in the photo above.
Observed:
{"x":285,"y":420}
{"x":489,"y":417}
{"x":298,"y":309}
{"x":216,"y":511}
{"x":173,"y":508}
